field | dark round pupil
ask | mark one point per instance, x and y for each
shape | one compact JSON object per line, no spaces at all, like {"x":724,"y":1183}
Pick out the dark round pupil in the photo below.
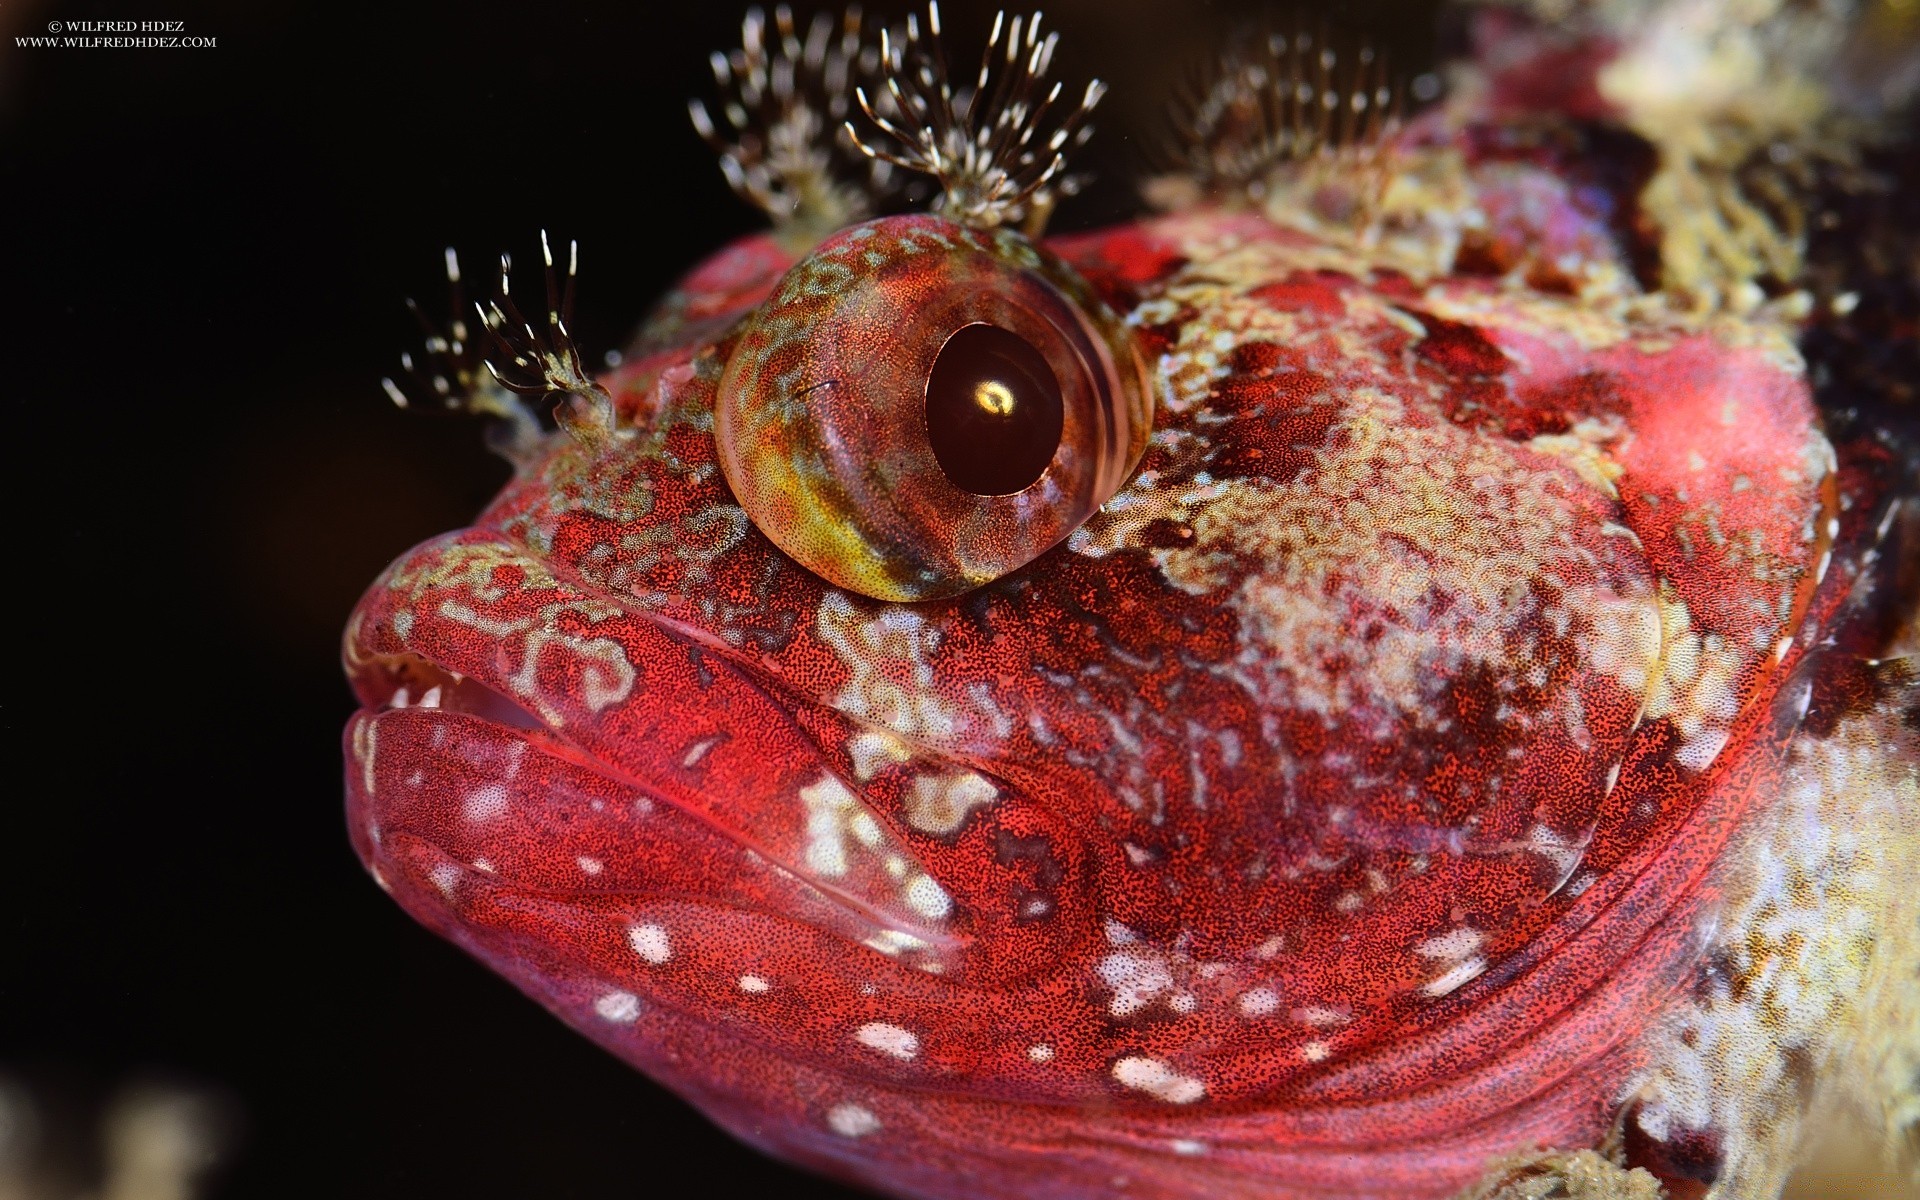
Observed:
{"x":994,"y":411}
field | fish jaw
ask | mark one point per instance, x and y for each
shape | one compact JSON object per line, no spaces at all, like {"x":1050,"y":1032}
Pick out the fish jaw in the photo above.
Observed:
{"x":521,"y":779}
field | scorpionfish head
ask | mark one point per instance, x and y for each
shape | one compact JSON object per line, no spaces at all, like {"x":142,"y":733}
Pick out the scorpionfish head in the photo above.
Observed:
{"x":1192,"y":703}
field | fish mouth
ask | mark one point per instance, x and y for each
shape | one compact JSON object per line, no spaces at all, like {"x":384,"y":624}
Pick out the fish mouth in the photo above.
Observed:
{"x":408,"y":680}
{"x":609,"y":811}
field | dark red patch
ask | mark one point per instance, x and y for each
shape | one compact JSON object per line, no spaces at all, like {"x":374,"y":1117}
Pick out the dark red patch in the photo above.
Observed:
{"x":1480,"y":254}
{"x":1124,"y":257}
{"x":1847,"y":686}
{"x":1156,"y":340}
{"x":1163,"y":534}
{"x":1686,"y":1164}
{"x":1395,"y":286}
{"x":1459,"y":349}
{"x":1278,"y":425}
{"x":1318,"y":292}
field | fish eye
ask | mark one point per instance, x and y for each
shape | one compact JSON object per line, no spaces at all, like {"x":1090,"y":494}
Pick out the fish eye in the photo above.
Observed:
{"x":994,"y":411}
{"x":921,"y":407}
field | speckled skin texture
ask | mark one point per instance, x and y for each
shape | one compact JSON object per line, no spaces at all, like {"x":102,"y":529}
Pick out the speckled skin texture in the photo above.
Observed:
{"x":1350,"y":803}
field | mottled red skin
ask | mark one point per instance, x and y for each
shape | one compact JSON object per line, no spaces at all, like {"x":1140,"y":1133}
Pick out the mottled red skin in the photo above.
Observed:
{"x":644,"y":852}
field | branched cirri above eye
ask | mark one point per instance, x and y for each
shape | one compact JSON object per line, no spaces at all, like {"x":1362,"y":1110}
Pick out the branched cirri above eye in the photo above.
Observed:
{"x":1278,"y":99}
{"x":998,"y":149}
{"x":511,"y":358}
{"x":545,"y":361}
{"x":783,"y":101}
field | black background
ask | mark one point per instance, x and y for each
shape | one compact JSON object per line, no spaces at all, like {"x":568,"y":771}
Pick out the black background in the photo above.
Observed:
{"x":204,"y":256}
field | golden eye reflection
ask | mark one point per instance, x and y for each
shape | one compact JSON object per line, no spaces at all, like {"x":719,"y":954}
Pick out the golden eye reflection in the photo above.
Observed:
{"x":993,"y":396}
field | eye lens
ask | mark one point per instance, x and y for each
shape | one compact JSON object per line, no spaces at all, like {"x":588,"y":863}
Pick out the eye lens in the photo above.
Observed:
{"x":994,"y":411}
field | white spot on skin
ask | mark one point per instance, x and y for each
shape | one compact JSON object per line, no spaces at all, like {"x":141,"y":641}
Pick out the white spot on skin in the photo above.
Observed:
{"x":754,"y":985}
{"x":1188,"y":1146}
{"x":841,"y":833}
{"x":446,"y":877}
{"x":698,"y":751}
{"x":867,"y":831}
{"x":606,"y":676}
{"x":901,"y":1043}
{"x":1460,"y":948}
{"x":1697,"y":687}
{"x":828,"y":804}
{"x":940,"y":804}
{"x":622,"y":1008}
{"x":1040,"y":1052}
{"x":1563,"y":853}
{"x":1156,"y":1078}
{"x":1459,"y":975}
{"x":650,"y":943}
{"x":1314,"y":1051}
{"x":1259,"y":1002}
{"x":1136,"y":977}
{"x":1697,"y":753}
{"x":1454,"y":945}
{"x":928,"y":898}
{"x":590,"y":865}
{"x":894,"y":942}
{"x":852,"y":1121}
{"x":873,"y":751}
{"x":486,"y":803}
